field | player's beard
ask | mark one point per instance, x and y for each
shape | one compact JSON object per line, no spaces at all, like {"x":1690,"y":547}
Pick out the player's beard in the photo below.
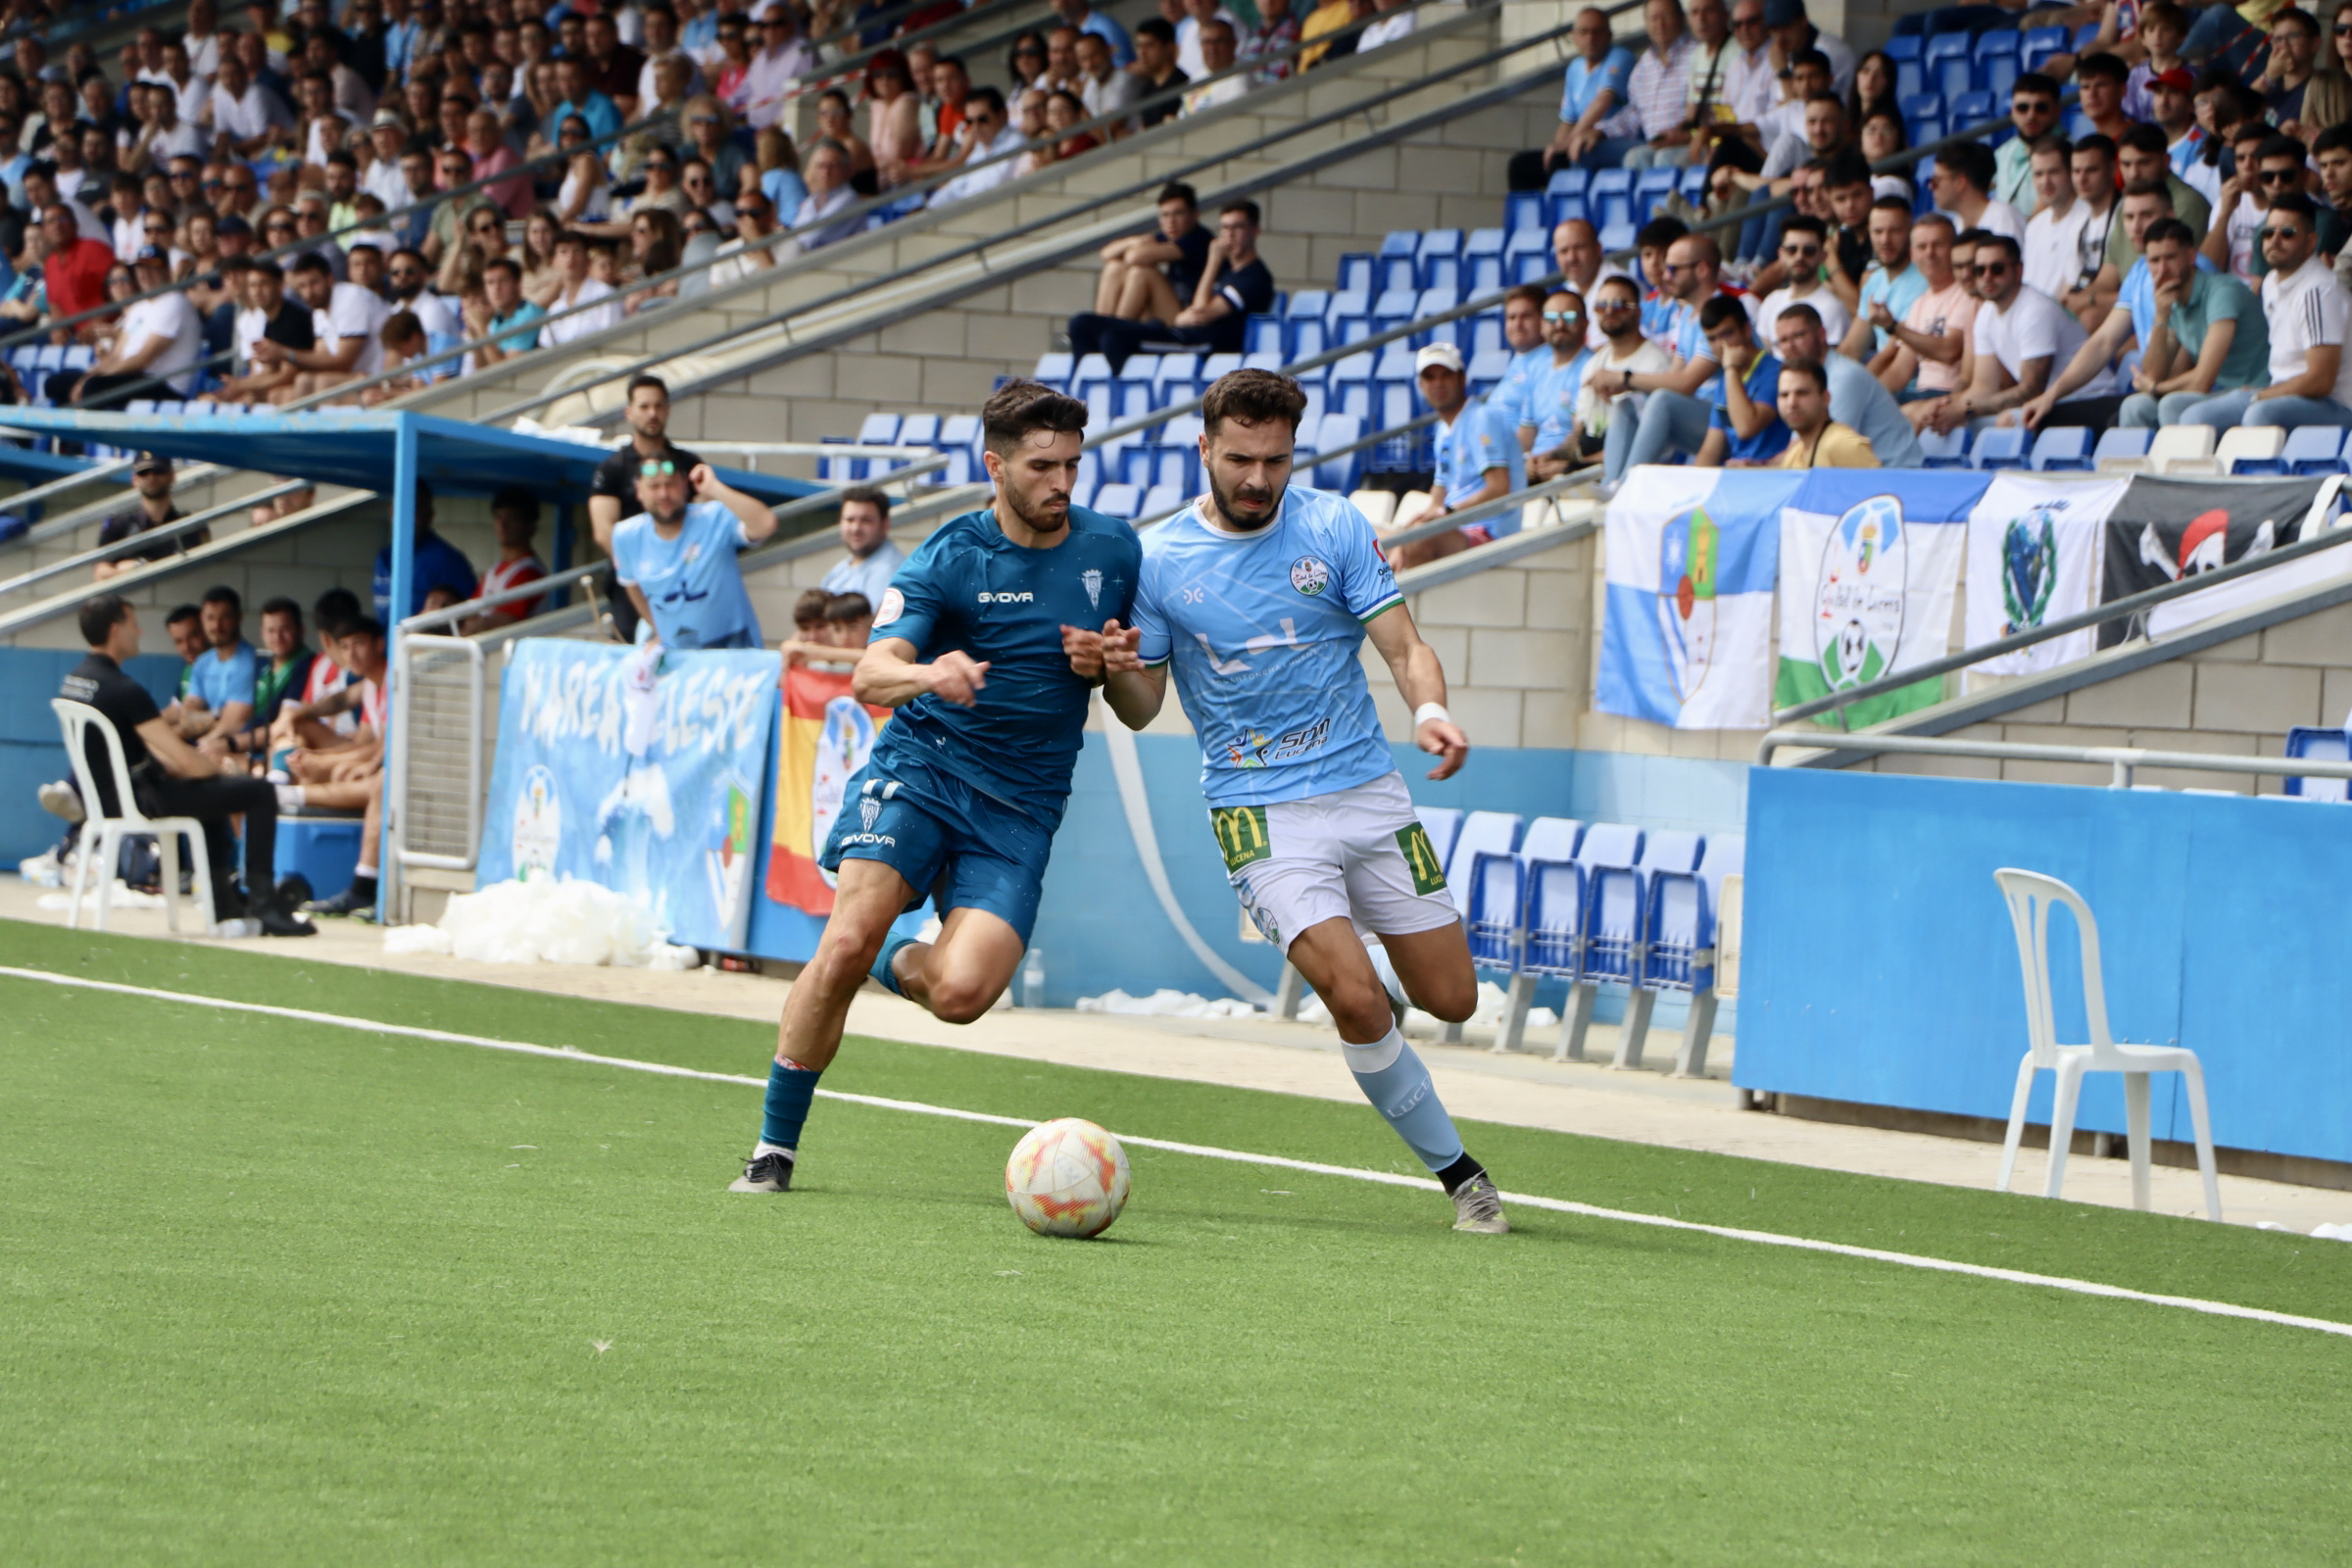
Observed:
{"x":668,"y":519}
{"x":1052,"y":518}
{"x":1262,"y":504}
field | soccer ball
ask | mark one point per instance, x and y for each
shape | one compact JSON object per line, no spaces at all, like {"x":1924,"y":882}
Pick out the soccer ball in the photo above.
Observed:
{"x":1067,"y":1178}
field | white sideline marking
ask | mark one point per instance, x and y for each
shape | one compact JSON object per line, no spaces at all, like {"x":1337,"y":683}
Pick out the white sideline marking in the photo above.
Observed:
{"x":2188,"y":1303}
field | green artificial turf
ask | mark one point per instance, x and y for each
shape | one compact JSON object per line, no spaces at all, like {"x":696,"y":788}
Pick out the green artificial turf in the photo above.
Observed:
{"x":275,"y":1292}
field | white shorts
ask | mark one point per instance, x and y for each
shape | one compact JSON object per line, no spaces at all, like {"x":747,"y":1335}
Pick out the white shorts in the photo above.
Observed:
{"x":1358,"y":854}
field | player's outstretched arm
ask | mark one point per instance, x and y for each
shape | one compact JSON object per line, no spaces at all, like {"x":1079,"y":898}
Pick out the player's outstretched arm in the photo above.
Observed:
{"x":1134,"y":690}
{"x":1421,"y":682}
{"x":758,"y":518}
{"x":889,"y":677}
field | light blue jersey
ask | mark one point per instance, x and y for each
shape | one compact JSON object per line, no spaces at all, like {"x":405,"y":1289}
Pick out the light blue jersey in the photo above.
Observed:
{"x":1481,"y":437}
{"x":1511,"y":394}
{"x":691,"y":582}
{"x":1551,"y":404}
{"x":222,"y":681}
{"x":1264,"y":631}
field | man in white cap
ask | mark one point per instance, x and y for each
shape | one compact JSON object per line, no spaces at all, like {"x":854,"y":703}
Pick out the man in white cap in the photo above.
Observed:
{"x":1478,"y":460}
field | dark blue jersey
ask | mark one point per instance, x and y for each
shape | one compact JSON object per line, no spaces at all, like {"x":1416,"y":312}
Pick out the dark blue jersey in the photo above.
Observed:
{"x":971,"y":589}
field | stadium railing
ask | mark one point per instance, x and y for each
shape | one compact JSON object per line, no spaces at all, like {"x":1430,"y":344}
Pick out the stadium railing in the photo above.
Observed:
{"x":2122,"y":762}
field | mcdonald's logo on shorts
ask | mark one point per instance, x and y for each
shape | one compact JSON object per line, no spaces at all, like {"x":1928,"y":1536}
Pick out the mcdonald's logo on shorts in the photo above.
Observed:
{"x":1241,"y":836}
{"x":1421,"y":857}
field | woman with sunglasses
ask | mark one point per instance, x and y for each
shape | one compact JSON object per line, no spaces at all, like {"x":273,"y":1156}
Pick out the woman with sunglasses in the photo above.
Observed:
{"x":2327,"y":98}
{"x":734,"y":64}
{"x":1026,"y":65}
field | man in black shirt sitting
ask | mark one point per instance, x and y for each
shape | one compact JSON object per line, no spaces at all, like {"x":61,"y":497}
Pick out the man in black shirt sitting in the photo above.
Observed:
{"x":152,"y":478}
{"x":1235,"y":284}
{"x":1152,"y":277}
{"x":171,"y":778}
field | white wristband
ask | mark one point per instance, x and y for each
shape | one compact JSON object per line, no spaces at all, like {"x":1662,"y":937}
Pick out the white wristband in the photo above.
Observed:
{"x":1429,"y":711}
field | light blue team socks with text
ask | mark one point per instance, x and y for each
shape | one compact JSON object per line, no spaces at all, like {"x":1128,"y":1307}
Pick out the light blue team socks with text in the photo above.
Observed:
{"x":1397,"y":1083}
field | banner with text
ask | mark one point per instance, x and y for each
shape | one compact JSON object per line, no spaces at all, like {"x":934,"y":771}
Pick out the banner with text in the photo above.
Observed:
{"x":823,"y":737}
{"x":642,"y":773}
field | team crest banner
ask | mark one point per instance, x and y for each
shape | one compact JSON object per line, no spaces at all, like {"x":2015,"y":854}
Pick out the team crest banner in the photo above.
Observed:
{"x":1870,"y":564}
{"x":1686,"y":624}
{"x":2034,"y":549}
{"x":643,"y":778}
{"x":823,"y":737}
{"x":2164,"y":530}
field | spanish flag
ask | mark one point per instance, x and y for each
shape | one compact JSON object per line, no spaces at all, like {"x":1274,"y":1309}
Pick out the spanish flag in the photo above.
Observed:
{"x":825,"y":738}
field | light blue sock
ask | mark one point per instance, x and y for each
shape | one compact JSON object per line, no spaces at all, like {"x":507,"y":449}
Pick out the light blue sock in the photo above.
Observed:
{"x":790,"y":1090}
{"x":1394,"y":1079}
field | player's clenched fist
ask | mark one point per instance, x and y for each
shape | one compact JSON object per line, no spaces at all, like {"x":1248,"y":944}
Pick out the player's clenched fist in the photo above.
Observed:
{"x":1095,"y":654}
{"x":956,"y":677}
{"x":1443,"y":739}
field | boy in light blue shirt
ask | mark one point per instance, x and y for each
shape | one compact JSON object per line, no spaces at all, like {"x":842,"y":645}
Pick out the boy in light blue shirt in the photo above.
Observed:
{"x":677,"y":558}
{"x":1260,"y":595}
{"x":1479,"y":459}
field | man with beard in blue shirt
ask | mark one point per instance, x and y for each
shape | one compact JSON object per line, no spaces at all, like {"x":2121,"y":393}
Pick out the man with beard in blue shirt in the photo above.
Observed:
{"x":983,"y":644}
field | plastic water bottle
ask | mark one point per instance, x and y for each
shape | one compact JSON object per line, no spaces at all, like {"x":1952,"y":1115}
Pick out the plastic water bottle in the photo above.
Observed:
{"x":1033,"y":979}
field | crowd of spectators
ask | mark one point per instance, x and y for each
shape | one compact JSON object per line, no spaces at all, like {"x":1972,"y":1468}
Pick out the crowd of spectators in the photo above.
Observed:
{"x":2168,"y":249}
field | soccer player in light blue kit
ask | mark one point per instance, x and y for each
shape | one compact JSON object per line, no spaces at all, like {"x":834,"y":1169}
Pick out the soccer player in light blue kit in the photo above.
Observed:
{"x":983,"y":645}
{"x":1261,"y":594}
{"x":677,"y":557}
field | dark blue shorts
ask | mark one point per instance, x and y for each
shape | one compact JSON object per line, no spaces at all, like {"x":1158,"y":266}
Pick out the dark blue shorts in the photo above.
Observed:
{"x":953,"y":844}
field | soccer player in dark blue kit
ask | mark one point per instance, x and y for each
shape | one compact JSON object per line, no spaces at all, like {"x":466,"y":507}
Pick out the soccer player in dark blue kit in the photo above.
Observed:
{"x":984,"y":645}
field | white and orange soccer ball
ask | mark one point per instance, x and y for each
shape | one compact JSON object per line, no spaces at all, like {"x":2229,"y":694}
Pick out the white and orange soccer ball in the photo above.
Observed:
{"x":1067,"y":1177}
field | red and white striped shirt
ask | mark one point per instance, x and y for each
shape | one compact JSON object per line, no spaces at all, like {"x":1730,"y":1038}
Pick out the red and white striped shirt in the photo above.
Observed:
{"x":513,"y":574}
{"x":327,"y":678}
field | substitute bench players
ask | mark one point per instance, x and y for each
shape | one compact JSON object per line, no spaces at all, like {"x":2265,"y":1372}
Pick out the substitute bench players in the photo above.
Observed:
{"x":1261,"y":594}
{"x":978,"y":644}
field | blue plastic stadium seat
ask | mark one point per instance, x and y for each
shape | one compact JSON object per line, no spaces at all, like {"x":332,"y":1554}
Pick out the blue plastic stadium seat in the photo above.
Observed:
{"x":1217,"y":365}
{"x":1523,"y":210}
{"x":2060,"y":450}
{"x":1440,"y":242}
{"x":1569,"y":183}
{"x":1923,"y":116}
{"x":1488,"y":367}
{"x":1356,"y":273}
{"x":1054,"y":369}
{"x":919,"y":430}
{"x":1612,"y":197}
{"x":1945,"y":61}
{"x":1264,"y":332}
{"x":1117,"y":500}
{"x":1973,"y":108}
{"x":2122,"y":441}
{"x":1400,"y":242}
{"x":2314,"y":449}
{"x":1947,"y":451}
{"x":1651,"y":187}
{"x":1693,"y":186}
{"x":1614,"y":238}
{"x":1903,"y":49}
{"x":1393,"y":273}
{"x":879,"y":430}
{"x":1309,"y":301}
{"x":2084,"y":34}
{"x":1395,"y":363}
{"x":1999,"y":448}
{"x":2319,"y":746}
{"x":1441,"y":272}
{"x":1334,"y":432}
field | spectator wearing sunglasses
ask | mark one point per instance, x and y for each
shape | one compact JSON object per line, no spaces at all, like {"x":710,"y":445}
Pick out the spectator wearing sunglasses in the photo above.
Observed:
{"x":2021,"y":331}
{"x":677,"y":557}
{"x":2307,"y":312}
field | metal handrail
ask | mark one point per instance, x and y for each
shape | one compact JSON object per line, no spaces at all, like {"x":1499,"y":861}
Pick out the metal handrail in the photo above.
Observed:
{"x":2114,"y":610}
{"x":2123,"y":760}
{"x":148,"y":539}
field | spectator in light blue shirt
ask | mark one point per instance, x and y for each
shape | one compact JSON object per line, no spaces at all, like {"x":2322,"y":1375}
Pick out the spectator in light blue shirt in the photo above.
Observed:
{"x":1891,"y":280}
{"x":1478,"y":460}
{"x":1550,"y":408}
{"x":221,"y":677}
{"x":1082,"y":15}
{"x":1595,"y":87}
{"x":1522,"y":332}
{"x":581,"y":99}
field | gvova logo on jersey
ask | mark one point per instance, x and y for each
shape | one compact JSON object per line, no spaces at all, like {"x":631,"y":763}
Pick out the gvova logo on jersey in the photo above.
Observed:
{"x":1688,"y":548}
{"x":1859,"y":595}
{"x":1309,"y":576}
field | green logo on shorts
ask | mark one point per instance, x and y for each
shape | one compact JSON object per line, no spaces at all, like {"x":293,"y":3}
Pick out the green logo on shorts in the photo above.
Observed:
{"x":1422,"y":855}
{"x":1241,"y":836}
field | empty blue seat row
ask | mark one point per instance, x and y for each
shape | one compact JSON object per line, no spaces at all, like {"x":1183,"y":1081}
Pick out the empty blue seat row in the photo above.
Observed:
{"x":2317,"y":744}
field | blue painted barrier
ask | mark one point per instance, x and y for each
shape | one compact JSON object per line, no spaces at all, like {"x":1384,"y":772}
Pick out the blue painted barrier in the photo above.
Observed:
{"x":1879,"y":966}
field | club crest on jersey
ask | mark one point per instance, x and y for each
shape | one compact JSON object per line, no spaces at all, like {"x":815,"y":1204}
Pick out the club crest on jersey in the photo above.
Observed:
{"x":894,"y":604}
{"x":1092,"y":581}
{"x":868,"y":810}
{"x":1309,"y":575}
{"x":988,"y":598}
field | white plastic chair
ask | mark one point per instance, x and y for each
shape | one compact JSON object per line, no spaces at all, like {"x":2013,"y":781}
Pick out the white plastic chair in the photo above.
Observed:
{"x":2031,"y":896}
{"x":102,"y":837}
{"x":2184,"y":449}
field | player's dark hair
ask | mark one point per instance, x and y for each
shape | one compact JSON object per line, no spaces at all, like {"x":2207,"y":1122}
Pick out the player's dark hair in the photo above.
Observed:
{"x":1660,"y":233}
{"x":1018,"y":407}
{"x":1720,"y":310}
{"x":878,"y":498}
{"x":1256,"y":397}
{"x":101,"y":613}
{"x":517,"y":498}
{"x":1807,"y":368}
{"x":223,"y":594}
{"x":313,"y":261}
{"x":282,"y":606}
{"x":641,"y":379}
{"x":2171,"y":231}
{"x":180,"y":612}
{"x":2055,"y":142}
{"x":842,"y":609}
{"x":1176,"y":191}
{"x":1845,"y":169}
{"x":809,"y":609}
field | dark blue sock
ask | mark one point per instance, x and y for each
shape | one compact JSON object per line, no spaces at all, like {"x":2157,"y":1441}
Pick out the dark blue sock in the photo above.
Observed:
{"x":789,"y":1093}
{"x":881,"y":969}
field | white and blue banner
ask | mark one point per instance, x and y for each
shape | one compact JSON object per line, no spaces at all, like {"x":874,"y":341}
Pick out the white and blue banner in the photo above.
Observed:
{"x":644,"y":779}
{"x":1687,"y":628}
{"x":2034,"y":556}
